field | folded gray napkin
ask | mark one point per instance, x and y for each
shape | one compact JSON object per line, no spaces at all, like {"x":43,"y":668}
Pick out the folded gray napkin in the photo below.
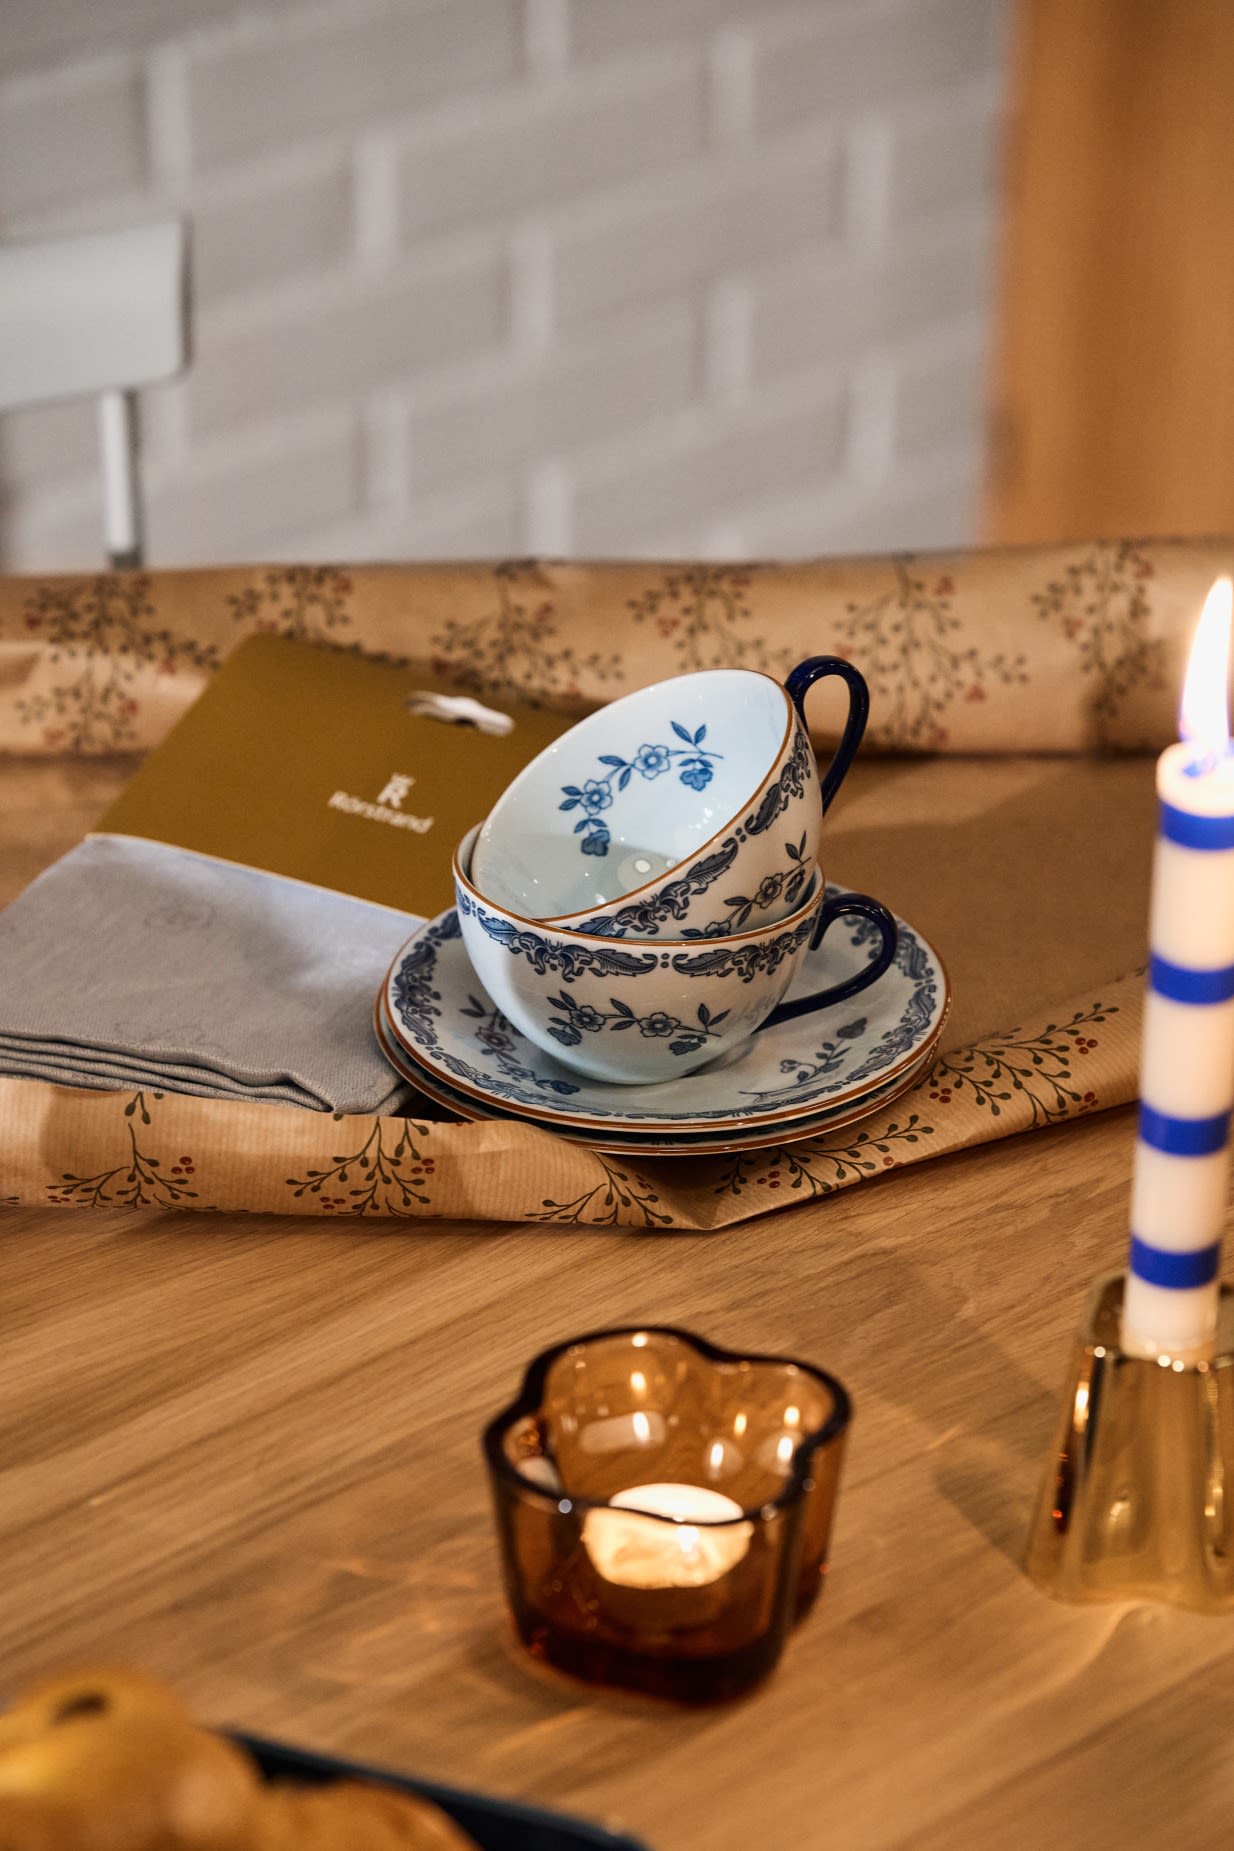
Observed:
{"x":130,"y":964}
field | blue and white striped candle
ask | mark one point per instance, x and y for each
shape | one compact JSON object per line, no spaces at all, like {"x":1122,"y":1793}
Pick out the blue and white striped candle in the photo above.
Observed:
{"x":1182,"y":1160}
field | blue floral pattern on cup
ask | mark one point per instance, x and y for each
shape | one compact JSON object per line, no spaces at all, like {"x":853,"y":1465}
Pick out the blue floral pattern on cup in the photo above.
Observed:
{"x":430,"y":994}
{"x":646,"y":914}
{"x":579,"y":1019}
{"x":595,"y":795}
{"x":547,"y":954}
{"x":784,"y":887}
{"x":745,"y":961}
{"x":599,"y":959}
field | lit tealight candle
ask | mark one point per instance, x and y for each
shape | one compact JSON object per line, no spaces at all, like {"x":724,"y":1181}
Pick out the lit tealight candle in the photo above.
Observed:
{"x":630,"y":1548}
{"x":1187,"y":1059}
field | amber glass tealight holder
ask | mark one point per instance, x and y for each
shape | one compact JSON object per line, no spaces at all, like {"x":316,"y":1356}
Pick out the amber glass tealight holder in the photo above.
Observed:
{"x":664,"y":1508}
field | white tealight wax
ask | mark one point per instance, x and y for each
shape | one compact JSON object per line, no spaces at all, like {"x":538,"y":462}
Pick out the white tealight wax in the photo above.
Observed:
{"x":632,"y":1549}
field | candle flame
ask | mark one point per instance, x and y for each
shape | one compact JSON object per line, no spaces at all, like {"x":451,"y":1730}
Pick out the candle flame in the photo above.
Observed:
{"x":1204,"y":712}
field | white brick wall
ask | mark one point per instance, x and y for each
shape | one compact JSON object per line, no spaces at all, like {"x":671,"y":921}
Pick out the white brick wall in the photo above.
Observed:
{"x":846,"y":61}
{"x":492,"y":161}
{"x":48,"y":120}
{"x":492,"y":276}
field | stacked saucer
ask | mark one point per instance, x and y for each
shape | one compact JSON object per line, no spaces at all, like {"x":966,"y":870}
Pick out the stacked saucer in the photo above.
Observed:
{"x":645,"y":956}
{"x":440,"y":1029}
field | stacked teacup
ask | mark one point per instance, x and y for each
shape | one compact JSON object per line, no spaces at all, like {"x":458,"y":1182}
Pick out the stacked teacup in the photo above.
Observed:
{"x":635,"y":960}
{"x":641,"y":898}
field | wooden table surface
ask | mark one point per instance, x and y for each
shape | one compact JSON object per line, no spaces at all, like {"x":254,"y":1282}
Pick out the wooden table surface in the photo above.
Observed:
{"x":243,"y":1453}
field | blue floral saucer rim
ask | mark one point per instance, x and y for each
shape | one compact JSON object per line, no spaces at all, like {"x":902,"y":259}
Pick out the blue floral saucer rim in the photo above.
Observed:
{"x":441,"y":1015}
{"x":652,"y":1144}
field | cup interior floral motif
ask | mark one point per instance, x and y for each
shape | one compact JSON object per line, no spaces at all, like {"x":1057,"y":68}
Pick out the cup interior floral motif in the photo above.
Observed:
{"x":608,"y":1413}
{"x":632,"y":791}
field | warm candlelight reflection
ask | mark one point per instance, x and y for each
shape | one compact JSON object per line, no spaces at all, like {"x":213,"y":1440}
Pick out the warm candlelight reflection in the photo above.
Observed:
{"x":632,"y":1548}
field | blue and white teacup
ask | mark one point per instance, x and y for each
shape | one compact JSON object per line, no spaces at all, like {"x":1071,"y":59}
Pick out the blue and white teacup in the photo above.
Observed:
{"x":637,"y":1011}
{"x":691,"y":808}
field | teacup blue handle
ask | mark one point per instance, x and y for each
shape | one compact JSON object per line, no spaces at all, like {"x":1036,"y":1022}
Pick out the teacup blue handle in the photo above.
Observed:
{"x":844,"y":906}
{"x":798,"y":686}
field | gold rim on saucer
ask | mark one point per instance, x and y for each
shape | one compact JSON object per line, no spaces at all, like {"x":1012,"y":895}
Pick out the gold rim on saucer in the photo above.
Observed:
{"x":555,"y":1113}
{"x":762,"y":1137}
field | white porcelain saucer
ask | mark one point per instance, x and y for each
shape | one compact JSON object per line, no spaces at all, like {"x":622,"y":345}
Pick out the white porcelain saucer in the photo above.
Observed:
{"x":653,"y":1143}
{"x":441,"y":1017}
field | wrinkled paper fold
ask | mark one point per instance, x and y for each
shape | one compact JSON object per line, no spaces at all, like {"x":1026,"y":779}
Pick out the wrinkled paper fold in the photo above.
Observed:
{"x":165,"y":1150}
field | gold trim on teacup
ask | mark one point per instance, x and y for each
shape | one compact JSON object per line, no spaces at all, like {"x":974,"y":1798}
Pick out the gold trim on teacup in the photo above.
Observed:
{"x":817,"y":892}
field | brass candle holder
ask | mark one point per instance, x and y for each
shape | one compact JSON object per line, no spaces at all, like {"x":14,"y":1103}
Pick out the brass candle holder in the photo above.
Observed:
{"x":1137,"y":1500}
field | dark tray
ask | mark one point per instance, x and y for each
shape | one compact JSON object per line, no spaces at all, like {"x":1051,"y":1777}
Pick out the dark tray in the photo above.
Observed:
{"x":496,"y":1825}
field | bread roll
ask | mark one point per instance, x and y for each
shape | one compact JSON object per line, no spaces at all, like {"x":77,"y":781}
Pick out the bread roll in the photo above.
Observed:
{"x":110,"y":1760}
{"x":350,"y":1817}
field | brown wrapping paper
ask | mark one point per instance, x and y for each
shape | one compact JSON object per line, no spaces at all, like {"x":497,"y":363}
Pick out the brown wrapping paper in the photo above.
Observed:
{"x":69,"y":1148}
{"x":1033,"y":649}
{"x":1029,"y":874}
